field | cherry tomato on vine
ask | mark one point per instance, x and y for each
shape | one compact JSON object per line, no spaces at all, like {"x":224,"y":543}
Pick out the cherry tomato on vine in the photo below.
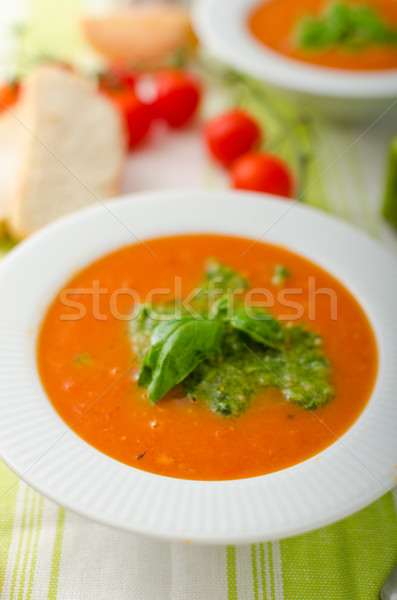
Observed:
{"x":178,"y":96}
{"x":118,"y":77}
{"x":262,"y":172}
{"x":118,"y":84}
{"x":230,"y":135}
{"x":138,"y":116}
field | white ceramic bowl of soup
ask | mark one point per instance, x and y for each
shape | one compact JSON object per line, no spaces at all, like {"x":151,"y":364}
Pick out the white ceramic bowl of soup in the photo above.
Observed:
{"x":222,"y":26}
{"x":41,"y":449}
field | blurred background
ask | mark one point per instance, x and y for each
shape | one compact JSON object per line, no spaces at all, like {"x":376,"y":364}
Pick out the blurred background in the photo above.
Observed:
{"x":336,"y":165}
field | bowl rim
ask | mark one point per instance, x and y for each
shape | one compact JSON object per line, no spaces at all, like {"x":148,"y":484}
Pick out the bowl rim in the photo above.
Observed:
{"x":220,"y":25}
{"x":37,"y":444}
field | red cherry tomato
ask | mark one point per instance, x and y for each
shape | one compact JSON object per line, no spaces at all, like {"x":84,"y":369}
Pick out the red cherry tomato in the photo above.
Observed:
{"x":119,"y":86}
{"x":137,"y":116}
{"x":262,"y":172}
{"x":177,"y":96}
{"x":8,"y":95}
{"x":230,"y":135}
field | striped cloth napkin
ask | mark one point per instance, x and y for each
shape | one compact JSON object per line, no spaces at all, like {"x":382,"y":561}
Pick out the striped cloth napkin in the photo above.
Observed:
{"x":48,"y":552}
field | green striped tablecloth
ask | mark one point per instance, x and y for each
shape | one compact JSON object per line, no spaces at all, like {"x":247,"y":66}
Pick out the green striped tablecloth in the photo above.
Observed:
{"x":47,"y":552}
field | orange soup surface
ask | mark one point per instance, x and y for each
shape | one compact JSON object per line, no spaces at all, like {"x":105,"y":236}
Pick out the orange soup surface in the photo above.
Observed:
{"x":274,"y":23}
{"x":89,"y":370}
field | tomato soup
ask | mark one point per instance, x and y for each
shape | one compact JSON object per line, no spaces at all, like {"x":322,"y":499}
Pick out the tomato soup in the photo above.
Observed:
{"x":89,"y":370}
{"x":274,"y":22}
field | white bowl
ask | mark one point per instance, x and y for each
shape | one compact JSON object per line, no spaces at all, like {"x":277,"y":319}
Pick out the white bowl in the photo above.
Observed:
{"x":37,"y":444}
{"x":221,"y":25}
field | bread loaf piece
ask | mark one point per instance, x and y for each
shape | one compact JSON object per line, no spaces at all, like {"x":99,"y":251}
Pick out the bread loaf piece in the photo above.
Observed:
{"x":66,"y":149}
{"x":143,"y":35}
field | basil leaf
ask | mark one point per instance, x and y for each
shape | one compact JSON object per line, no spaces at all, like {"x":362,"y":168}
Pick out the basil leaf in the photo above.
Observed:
{"x":177,"y":347}
{"x":148,"y":317}
{"x":261,"y":327}
{"x":157,"y":340}
{"x":220,"y":309}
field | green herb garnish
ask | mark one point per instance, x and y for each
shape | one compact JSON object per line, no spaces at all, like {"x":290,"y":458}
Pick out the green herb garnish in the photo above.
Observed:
{"x":229,"y":353}
{"x":280,"y":275}
{"x":344,"y":26}
{"x":83,"y":359}
{"x":219,"y":282}
{"x":390,"y":197}
{"x":6,"y":244}
{"x":229,"y":380}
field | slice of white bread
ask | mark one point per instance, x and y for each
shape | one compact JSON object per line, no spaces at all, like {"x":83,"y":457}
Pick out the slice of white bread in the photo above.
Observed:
{"x":70,"y":147}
